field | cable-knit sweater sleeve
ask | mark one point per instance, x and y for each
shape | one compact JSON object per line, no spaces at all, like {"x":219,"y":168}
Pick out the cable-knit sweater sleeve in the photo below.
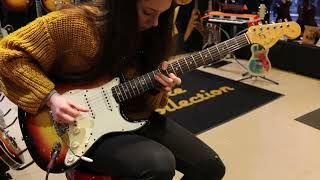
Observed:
{"x":26,"y":57}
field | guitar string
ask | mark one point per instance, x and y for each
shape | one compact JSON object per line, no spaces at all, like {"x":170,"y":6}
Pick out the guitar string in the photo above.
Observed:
{"x":98,"y":98}
{"x":94,"y":99}
{"x":184,"y":65}
{"x":226,"y":50}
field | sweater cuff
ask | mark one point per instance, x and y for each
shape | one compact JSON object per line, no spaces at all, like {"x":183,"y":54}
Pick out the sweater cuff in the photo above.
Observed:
{"x":44,"y":102}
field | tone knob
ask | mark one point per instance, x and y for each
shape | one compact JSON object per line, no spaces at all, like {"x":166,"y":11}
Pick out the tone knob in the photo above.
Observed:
{"x":74,"y":144}
{"x":76,"y":130}
{"x":70,"y":159}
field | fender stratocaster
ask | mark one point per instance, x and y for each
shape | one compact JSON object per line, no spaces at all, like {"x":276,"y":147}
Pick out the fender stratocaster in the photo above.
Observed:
{"x":104,"y":96}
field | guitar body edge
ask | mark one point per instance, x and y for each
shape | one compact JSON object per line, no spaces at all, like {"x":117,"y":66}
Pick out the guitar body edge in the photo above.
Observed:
{"x":104,"y":118}
{"x":40,"y":137}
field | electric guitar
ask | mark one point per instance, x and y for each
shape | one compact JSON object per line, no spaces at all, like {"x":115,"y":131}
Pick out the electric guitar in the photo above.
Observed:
{"x":263,"y":10}
{"x":69,"y":143}
{"x":259,"y":63}
{"x":17,"y":5}
{"x":9,"y":151}
{"x":52,"y":5}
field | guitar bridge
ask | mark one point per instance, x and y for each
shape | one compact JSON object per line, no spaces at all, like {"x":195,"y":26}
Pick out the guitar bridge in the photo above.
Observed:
{"x":60,"y":128}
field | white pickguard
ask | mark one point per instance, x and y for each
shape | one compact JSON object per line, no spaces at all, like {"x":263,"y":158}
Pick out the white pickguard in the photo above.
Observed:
{"x":104,"y":117}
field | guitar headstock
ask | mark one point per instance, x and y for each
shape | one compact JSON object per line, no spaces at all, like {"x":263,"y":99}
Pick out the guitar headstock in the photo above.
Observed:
{"x":268,"y":34}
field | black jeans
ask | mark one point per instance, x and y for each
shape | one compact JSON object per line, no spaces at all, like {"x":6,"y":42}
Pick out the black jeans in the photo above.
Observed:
{"x":153,"y":153}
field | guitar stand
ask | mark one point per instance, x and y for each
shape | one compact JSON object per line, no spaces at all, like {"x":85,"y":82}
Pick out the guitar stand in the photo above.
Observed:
{"x":249,"y":76}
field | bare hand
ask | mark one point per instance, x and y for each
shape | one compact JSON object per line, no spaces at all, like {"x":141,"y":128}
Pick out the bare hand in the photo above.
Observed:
{"x":167,"y":82}
{"x":63,"y":109}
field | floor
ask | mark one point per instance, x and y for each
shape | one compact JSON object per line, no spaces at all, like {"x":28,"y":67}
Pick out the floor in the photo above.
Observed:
{"x":264,"y":144}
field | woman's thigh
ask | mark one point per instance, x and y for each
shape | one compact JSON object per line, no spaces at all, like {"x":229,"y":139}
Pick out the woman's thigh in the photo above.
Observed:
{"x":129,"y":155}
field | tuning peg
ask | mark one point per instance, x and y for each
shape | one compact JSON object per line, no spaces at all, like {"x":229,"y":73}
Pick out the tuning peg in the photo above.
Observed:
{"x":285,"y":20}
{"x":260,"y":23}
{"x":280,"y":20}
{"x":266,"y":22}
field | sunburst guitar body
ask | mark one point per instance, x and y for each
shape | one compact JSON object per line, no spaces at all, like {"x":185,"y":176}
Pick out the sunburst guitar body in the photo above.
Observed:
{"x":42,"y":134}
{"x":17,"y":5}
{"x":259,"y":63}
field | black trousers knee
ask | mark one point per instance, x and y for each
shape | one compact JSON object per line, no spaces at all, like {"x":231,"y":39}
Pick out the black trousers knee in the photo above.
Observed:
{"x":154,"y":153}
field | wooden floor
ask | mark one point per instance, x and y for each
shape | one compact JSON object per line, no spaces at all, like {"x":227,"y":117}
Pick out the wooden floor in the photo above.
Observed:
{"x":264,"y":144}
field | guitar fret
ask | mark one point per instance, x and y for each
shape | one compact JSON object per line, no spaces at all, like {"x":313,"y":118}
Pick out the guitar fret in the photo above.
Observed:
{"x":132,"y":89}
{"x":150,"y":79}
{"x":167,"y":71}
{"x":173,"y":68}
{"x":235,"y":39}
{"x":180,"y":67}
{"x":124,"y":91}
{"x":114,"y":92}
{"x":141,"y":84}
{"x":210,"y":53}
{"x":145,"y":81}
{"x":218,"y":50}
{"x":195,"y":60}
{"x":201,"y":56}
{"x":126,"y":84}
{"x":248,"y":41}
{"x":120,"y":93}
{"x":153,"y":72}
{"x":187,"y":64}
{"x":227,"y":48}
{"x":135,"y":86}
{"x":189,"y":60}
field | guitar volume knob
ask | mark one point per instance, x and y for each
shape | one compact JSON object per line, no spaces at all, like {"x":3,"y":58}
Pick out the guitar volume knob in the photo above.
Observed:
{"x":70,"y":159}
{"x":76,"y":130}
{"x":74,"y":144}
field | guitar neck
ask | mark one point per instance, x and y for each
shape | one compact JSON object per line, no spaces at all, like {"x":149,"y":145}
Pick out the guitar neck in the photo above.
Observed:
{"x":138,"y":86}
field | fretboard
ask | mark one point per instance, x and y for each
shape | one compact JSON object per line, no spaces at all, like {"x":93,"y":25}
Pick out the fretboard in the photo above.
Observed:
{"x":141,"y":84}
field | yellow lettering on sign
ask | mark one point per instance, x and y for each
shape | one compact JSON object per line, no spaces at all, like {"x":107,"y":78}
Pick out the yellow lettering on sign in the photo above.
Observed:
{"x":202,"y":95}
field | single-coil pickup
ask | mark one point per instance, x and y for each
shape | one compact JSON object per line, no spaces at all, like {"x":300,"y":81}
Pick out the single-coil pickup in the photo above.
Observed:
{"x":106,"y":98}
{"x":87,"y":101}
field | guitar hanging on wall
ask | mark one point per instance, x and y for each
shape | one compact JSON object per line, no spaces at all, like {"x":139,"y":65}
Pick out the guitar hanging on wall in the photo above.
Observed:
{"x":104,"y":96}
{"x":17,"y":5}
{"x":53,"y":5}
{"x":9,"y":151}
{"x":195,"y":17}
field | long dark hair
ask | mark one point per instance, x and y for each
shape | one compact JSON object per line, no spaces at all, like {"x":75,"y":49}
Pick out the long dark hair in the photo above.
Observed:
{"x":124,"y":42}
{"x":121,"y":40}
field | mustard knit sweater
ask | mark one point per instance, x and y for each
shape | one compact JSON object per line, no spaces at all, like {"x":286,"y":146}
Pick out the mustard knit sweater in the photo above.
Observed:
{"x":61,"y":43}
